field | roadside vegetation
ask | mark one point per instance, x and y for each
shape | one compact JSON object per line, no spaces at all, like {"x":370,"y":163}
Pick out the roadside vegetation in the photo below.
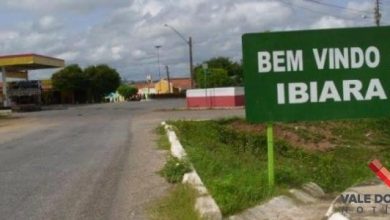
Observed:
{"x":127,"y":91}
{"x":5,"y":118}
{"x":162,"y":139}
{"x":88,"y":85}
{"x":174,"y":170}
{"x":221,"y":72}
{"x":179,"y":203}
{"x":231,"y":156}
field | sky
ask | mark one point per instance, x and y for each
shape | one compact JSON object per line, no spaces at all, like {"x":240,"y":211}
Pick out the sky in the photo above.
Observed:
{"x":124,"y":33}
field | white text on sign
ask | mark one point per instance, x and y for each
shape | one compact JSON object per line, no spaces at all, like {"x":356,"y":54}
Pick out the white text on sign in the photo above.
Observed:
{"x":325,"y":58}
{"x":300,"y":92}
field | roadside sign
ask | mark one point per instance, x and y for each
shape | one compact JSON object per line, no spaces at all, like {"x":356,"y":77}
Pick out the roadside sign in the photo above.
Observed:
{"x":317,"y":74}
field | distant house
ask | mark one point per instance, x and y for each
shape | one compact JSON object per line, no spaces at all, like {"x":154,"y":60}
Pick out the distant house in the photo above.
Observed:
{"x":181,"y":84}
{"x":114,"y":97}
{"x":175,"y":85}
{"x":162,"y":87}
{"x":144,"y":88}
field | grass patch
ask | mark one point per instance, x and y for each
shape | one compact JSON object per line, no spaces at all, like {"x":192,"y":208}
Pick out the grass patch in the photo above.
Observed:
{"x":180,"y":202}
{"x":174,"y":169}
{"x":5,"y":116}
{"x":232,"y":162}
{"x":177,"y":205}
{"x":162,"y":140}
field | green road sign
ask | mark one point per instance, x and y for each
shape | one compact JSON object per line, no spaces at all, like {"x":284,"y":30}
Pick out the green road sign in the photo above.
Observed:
{"x":317,"y":74}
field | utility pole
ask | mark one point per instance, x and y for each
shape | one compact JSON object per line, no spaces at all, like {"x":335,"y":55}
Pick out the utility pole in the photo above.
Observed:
{"x":168,"y":79}
{"x":189,"y":43}
{"x":158,"y":63}
{"x":191,"y":62}
{"x":377,"y":13}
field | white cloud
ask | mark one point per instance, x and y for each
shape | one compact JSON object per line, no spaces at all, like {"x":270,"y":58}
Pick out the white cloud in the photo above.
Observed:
{"x":70,"y":56}
{"x":330,"y":22}
{"x":47,"y":23}
{"x":123,"y":33}
{"x":360,"y":8}
{"x":60,"y":5}
{"x":116,"y":52}
{"x":8,"y":35}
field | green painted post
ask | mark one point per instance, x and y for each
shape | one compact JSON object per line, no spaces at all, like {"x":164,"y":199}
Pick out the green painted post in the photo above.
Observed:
{"x":270,"y":146}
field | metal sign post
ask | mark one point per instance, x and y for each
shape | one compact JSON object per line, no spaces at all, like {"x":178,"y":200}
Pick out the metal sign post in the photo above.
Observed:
{"x":271,"y":157}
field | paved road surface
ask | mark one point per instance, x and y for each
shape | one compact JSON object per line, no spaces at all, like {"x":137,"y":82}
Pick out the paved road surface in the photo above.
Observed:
{"x":86,"y":162}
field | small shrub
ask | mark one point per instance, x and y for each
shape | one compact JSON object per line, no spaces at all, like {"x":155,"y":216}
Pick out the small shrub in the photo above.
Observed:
{"x":174,"y":169}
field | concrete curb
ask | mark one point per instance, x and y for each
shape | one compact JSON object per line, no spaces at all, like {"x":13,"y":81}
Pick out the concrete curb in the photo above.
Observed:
{"x":205,"y":204}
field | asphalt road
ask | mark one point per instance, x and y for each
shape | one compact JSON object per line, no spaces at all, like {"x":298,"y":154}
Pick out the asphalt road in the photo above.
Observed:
{"x":86,"y":162}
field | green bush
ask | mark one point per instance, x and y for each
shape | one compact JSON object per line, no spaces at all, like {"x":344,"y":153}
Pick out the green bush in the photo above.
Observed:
{"x":174,"y":169}
{"x":127,"y":91}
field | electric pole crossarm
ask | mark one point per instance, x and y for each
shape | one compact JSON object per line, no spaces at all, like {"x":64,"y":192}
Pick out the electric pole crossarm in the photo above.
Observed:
{"x":178,"y":33}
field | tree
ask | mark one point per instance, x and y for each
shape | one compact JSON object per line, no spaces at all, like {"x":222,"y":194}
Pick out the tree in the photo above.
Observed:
{"x":91,"y":84}
{"x":234,"y":69}
{"x":127,"y":91}
{"x":71,"y":79}
{"x":103,"y":80}
{"x":213,"y":77}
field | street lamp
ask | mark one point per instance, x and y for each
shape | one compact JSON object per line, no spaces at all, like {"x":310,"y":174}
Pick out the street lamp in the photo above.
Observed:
{"x":158,"y":62}
{"x":189,"y":42}
{"x":148,"y":81}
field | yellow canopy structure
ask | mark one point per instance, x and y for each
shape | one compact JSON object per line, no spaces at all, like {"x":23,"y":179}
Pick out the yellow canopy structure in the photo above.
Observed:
{"x":17,"y":66}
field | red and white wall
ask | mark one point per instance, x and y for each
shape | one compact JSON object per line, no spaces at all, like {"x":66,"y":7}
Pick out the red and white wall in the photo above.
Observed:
{"x":215,"y":97}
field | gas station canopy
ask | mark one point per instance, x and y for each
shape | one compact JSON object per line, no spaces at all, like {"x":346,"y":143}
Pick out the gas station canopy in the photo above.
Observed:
{"x":23,"y":62}
{"x":17,"y":66}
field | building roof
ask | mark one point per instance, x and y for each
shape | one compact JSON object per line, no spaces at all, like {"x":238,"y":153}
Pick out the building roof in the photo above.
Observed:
{"x":141,"y":85}
{"x":181,"y":83}
{"x":29,"y":62}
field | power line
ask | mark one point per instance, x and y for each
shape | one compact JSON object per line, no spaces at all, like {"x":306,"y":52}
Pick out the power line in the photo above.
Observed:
{"x":336,"y":6}
{"x":291,"y":5}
